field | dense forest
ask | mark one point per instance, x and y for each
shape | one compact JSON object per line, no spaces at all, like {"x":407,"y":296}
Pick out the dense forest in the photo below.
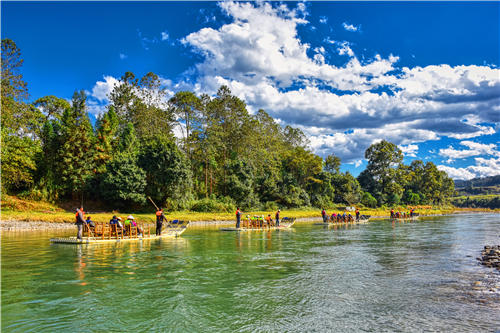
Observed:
{"x":225,"y":157}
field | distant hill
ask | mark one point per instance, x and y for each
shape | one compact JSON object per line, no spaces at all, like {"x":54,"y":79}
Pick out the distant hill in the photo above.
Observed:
{"x":486,"y":185}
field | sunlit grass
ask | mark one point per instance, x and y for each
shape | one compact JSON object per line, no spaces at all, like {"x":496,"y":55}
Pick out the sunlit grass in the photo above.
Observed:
{"x":23,"y":210}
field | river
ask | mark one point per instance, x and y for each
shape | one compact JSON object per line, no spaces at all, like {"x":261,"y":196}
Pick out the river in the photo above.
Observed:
{"x":381,"y":276}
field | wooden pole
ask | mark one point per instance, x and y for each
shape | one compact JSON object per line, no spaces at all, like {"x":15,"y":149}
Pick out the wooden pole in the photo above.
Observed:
{"x":153,"y":203}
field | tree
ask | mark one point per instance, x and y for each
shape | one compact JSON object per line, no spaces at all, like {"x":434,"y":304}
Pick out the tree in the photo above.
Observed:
{"x":240,"y":183}
{"x":76,"y":153}
{"x":124,"y":182}
{"x":142,"y":103}
{"x":368,"y":200}
{"x":168,"y":173}
{"x":18,"y":162}
{"x":186,"y":106}
{"x":20,"y":124}
{"x":14,"y":88}
{"x":106,"y":139}
{"x":332,"y":164}
{"x":380,"y":176}
{"x":53,"y":107}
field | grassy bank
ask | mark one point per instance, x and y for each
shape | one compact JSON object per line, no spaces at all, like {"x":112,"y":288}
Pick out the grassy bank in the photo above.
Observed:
{"x":22,"y":210}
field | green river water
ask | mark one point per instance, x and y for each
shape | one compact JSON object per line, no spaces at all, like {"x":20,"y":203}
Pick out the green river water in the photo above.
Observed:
{"x":382,"y":276}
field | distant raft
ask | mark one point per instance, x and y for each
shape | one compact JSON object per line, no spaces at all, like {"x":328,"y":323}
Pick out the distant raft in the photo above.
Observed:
{"x":105,"y":233}
{"x":362,"y":219}
{"x":285,"y":223}
{"x":407,"y":218}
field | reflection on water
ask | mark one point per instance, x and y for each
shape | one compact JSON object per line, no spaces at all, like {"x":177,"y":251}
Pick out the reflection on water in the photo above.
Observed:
{"x":382,"y":276}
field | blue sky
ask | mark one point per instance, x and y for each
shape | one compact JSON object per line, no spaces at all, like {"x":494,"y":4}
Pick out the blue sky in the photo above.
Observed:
{"x":422,"y":75}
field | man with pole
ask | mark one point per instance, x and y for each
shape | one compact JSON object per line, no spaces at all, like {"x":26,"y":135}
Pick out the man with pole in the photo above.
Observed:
{"x":79,"y":222}
{"x":160,"y":217}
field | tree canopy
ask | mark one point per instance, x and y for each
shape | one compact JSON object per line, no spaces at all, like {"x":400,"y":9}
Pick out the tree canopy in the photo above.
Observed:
{"x":226,"y":156}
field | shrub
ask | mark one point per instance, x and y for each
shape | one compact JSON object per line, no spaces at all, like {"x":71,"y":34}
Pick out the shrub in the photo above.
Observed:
{"x":368,"y":200}
{"x":207,"y":205}
{"x":270,"y":206}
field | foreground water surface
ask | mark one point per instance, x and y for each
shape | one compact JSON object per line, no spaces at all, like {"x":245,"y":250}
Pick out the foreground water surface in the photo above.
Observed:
{"x":380,"y":276}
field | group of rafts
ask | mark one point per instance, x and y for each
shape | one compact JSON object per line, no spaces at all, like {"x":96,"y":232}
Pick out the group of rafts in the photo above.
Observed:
{"x":104,"y":233}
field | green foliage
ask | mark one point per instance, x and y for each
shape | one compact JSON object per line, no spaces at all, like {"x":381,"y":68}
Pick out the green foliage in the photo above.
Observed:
{"x":21,"y":124}
{"x":18,"y":161}
{"x":106,"y":137}
{"x":411,"y":198}
{"x":368,"y":200}
{"x":212,"y":205}
{"x":332,"y":163}
{"x":53,"y":107}
{"x":393,"y":199}
{"x":50,"y":150}
{"x":76,"y":153}
{"x":168,"y":172}
{"x":124,"y":181}
{"x":239,"y":183}
{"x":141,"y":102}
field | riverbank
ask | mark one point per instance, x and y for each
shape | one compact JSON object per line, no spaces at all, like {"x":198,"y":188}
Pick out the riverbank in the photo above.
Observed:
{"x":30,"y":225}
{"x":18,"y":214}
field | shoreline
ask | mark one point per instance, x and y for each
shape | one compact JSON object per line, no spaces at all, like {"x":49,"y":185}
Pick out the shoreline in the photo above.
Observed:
{"x":19,"y":225}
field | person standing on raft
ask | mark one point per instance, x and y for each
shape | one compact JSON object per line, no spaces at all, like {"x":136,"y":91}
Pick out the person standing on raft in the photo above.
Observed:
{"x":238,"y":217}
{"x":79,"y":222}
{"x":160,"y":217}
{"x":277,"y":218}
{"x":323,"y":214}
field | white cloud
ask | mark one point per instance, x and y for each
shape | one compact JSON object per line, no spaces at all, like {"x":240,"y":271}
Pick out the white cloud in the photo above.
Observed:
{"x":483,"y":168}
{"x":164,"y":35}
{"x":261,"y":57}
{"x":344,"y":48}
{"x":123,"y":56}
{"x":323,"y":19}
{"x":475,"y":149}
{"x":457,"y":173}
{"x":350,"y":27}
{"x":101,"y":89}
{"x":409,"y":150}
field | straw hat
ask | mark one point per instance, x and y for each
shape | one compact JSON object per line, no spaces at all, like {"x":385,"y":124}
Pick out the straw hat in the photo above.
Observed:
{"x":130,"y":217}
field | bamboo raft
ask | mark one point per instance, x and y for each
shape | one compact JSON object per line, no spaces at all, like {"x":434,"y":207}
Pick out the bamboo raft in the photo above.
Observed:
{"x":363,"y":219}
{"x":413,"y":218}
{"x":106,"y":233}
{"x":285,"y":223}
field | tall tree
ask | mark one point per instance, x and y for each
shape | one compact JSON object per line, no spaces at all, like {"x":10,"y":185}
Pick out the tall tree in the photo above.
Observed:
{"x":143,"y":103}
{"x":380,"y":176}
{"x":186,"y":106}
{"x":168,"y":173}
{"x":106,"y":138}
{"x":20,"y":123}
{"x":77,"y":150}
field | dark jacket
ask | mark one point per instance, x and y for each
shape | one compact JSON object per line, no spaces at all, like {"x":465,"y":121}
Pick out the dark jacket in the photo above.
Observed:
{"x":79,"y":218}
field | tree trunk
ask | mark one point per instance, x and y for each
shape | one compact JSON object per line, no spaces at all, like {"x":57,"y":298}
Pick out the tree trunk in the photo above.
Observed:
{"x":206,"y":178}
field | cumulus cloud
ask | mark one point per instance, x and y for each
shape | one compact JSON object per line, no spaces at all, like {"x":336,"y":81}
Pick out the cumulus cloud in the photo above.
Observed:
{"x":483,"y":168}
{"x":102,"y":89}
{"x":164,"y":35}
{"x":261,"y":57}
{"x":323,"y":19}
{"x":350,"y":27}
{"x":409,"y":150}
{"x":475,"y":149}
{"x":123,"y":56}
